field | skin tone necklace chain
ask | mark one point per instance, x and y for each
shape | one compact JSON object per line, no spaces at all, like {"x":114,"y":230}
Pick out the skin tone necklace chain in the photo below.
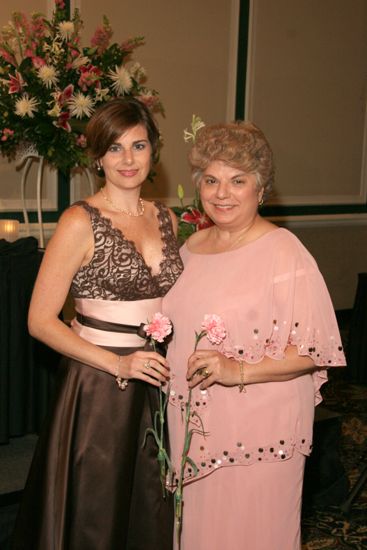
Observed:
{"x":240,"y":238}
{"x":139,"y":211}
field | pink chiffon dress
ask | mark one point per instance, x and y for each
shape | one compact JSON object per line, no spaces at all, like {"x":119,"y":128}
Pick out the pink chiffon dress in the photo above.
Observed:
{"x":270,"y":294}
{"x":93,"y":485}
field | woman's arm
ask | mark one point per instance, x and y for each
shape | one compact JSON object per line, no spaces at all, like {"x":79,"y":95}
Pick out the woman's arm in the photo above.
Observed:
{"x":226,"y":372}
{"x":71,"y":247}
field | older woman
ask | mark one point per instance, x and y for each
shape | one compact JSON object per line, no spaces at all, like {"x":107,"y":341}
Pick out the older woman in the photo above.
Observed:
{"x":254,"y":392}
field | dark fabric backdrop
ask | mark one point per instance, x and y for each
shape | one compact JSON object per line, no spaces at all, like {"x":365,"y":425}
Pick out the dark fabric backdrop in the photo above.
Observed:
{"x":26,"y":365}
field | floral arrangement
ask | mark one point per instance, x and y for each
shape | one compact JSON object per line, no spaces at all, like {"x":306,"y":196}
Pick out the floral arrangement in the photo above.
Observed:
{"x":214,"y":329}
{"x":50,"y":85}
{"x":157,"y":330}
{"x":191,"y":217}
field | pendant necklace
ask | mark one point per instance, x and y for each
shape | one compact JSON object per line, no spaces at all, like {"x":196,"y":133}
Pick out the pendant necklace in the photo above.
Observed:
{"x":139,"y":211}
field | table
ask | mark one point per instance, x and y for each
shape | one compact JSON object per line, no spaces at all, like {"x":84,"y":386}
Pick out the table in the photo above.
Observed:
{"x":26,"y":366}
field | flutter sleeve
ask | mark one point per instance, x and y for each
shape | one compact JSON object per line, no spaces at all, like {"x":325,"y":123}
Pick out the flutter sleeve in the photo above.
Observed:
{"x":294,"y":309}
{"x":303,"y":312}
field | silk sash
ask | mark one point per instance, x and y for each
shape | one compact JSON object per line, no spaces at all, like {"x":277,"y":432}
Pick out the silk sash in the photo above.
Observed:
{"x":129,"y":313}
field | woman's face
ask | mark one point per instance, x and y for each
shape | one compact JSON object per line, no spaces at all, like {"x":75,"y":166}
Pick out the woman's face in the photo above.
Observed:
{"x":128,"y":160}
{"x":229,"y":195}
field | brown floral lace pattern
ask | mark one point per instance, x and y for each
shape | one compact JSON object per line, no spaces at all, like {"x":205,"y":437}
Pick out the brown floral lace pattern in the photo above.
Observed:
{"x":117,"y":270}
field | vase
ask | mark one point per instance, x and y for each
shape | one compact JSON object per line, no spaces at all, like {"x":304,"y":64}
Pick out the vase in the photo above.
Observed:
{"x":26,"y":156}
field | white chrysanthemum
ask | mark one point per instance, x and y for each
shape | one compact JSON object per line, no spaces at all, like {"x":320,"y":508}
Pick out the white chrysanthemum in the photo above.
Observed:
{"x":80,"y":105}
{"x":79,"y":61}
{"x":26,"y":106}
{"x":48,"y":75}
{"x":66,"y":29}
{"x":121,"y":78}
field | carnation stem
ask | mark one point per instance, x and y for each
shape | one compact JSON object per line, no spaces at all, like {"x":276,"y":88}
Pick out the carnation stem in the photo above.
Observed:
{"x":184,"y":457}
{"x":165,"y":466}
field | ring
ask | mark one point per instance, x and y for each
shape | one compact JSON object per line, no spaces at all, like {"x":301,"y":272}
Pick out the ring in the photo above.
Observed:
{"x":203,"y":371}
{"x":147,"y":365}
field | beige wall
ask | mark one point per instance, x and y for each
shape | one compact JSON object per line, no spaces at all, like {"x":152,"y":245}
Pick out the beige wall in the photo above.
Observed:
{"x":307,"y":90}
{"x":306,"y":87}
{"x":186,"y":55}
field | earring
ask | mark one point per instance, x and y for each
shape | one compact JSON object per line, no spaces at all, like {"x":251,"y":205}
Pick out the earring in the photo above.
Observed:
{"x":261,"y":201}
{"x":99,"y":170}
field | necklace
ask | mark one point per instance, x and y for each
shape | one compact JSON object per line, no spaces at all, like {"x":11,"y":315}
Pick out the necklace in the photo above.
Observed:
{"x":237,"y":240}
{"x":139,"y":211}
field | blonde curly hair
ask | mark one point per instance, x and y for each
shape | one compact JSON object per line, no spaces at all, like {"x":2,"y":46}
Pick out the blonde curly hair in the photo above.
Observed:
{"x":239,"y":144}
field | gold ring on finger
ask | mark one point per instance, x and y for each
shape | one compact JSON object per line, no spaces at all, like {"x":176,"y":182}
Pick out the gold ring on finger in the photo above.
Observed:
{"x":206,"y":373}
{"x":147,"y":365}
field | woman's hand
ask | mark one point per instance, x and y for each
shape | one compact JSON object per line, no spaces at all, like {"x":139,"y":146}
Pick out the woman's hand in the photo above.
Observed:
{"x":206,"y":367}
{"x":148,"y":366}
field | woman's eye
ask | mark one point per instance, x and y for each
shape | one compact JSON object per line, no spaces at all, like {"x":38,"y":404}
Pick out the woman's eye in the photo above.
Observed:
{"x":114,"y":148}
{"x":210,"y":181}
{"x":239,"y":181}
{"x":140,"y":146}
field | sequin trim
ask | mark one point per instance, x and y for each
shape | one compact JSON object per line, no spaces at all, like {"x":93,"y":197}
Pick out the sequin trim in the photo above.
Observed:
{"x":239,"y":454}
{"x":306,"y":339}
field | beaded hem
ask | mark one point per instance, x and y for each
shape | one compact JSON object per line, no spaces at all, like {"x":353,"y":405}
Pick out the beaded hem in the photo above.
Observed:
{"x":241,"y":455}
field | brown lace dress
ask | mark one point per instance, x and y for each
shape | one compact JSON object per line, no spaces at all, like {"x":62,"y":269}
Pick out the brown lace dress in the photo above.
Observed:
{"x":92,"y":486}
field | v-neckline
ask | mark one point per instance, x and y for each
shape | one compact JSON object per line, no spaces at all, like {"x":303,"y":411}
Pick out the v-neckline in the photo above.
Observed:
{"x":132,"y":244}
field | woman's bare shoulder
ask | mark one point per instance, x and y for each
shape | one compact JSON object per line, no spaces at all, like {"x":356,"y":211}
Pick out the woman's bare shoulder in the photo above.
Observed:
{"x":73,"y":229}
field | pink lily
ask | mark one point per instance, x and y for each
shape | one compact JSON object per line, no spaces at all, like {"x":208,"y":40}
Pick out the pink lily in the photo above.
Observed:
{"x":65,"y":95}
{"x":63,"y":122}
{"x":195,"y":217}
{"x":16,"y":83}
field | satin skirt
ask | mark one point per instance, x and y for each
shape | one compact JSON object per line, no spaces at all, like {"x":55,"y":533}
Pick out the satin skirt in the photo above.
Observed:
{"x":92,"y":485}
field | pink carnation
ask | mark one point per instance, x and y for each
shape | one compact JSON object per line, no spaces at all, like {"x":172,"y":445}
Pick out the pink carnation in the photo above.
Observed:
{"x":7,"y":133}
{"x":8,"y":57}
{"x":38,"y":62}
{"x":214,"y":327}
{"x":159,"y":327}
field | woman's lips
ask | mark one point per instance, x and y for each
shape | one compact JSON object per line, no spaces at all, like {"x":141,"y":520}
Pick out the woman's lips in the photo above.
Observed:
{"x":128,"y":173}
{"x":223,"y":206}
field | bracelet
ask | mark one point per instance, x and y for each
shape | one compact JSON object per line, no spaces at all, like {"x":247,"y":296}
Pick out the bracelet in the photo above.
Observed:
{"x":122,"y":384}
{"x":241,"y":385}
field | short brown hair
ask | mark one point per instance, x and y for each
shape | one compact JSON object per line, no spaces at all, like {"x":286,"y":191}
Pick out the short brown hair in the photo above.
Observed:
{"x":239,"y":144}
{"x":113,"y":118}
